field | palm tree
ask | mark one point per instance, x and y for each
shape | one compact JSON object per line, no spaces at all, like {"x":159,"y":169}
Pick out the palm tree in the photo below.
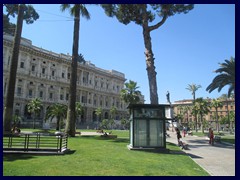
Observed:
{"x":130,"y":94}
{"x":57,"y":110}
{"x":193,"y":88}
{"x":75,"y":11}
{"x":113,"y":112}
{"x":216,"y":103}
{"x":226,"y":77}
{"x":79,"y":109}
{"x":201,"y":107}
{"x":98,"y":113}
{"x":8,"y":109}
{"x":34,"y":106}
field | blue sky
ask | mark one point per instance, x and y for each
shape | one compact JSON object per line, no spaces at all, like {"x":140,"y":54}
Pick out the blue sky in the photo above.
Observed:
{"x":187,"y":48}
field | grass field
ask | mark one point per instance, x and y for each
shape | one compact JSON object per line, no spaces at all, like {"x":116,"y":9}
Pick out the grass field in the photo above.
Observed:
{"x":95,"y":156}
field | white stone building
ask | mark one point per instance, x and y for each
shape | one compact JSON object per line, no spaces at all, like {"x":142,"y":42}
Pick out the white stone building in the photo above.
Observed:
{"x":46,"y":75}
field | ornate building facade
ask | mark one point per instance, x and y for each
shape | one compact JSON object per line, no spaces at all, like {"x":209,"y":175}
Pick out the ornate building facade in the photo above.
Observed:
{"x":46,"y":75}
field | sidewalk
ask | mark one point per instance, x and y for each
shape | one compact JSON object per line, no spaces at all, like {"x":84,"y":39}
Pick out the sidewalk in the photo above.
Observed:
{"x":217,"y":160}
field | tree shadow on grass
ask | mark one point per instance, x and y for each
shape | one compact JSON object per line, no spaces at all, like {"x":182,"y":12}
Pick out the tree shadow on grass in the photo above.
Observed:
{"x":14,"y":157}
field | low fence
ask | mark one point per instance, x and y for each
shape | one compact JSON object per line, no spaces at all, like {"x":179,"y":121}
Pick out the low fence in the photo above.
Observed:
{"x":37,"y":142}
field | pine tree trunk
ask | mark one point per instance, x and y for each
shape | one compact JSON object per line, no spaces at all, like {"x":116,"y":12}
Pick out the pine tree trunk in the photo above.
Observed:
{"x":8,"y":109}
{"x":150,"y":66}
{"x":71,"y":113}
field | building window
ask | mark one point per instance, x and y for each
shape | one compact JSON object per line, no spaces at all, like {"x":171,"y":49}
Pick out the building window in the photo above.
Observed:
{"x":43,"y":70}
{"x":22,"y":65}
{"x":31,"y":83}
{"x":63,"y":75}
{"x":19,"y":91}
{"x":51,"y":95}
{"x":33,"y":68}
{"x":41,"y":94}
{"x":61,"y":96}
{"x":30,"y":93}
{"x":67,"y":96}
{"x":68,"y":75}
{"x":17,"y":112}
{"x":53,"y":72}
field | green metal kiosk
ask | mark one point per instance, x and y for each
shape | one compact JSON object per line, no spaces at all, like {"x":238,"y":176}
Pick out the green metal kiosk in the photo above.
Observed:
{"x":148,"y":126}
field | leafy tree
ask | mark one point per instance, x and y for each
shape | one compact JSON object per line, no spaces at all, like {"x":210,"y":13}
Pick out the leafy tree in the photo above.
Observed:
{"x":201,"y":107}
{"x":193,"y":88}
{"x":125,"y":123}
{"x":224,"y":98}
{"x":226,"y":77}
{"x":130,"y":94}
{"x":34,"y":106}
{"x":232,"y":118}
{"x":216,"y":103}
{"x":57,"y":110}
{"x":104,"y":124}
{"x":76,"y":10}
{"x":23,"y":14}
{"x":16,"y":120}
{"x":143,"y":15}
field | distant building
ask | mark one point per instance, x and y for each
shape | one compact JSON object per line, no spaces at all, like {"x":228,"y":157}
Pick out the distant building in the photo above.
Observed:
{"x":46,"y":75}
{"x":228,"y":106}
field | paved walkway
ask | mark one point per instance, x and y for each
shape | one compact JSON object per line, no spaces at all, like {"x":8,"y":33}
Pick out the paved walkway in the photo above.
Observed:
{"x":217,"y":160}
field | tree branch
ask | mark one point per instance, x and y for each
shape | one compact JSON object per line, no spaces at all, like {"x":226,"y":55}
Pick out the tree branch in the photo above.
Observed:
{"x":151,"y":28}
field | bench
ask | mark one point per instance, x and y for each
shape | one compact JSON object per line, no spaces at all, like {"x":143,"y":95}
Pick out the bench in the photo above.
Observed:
{"x":35,"y":143}
{"x":217,"y":138}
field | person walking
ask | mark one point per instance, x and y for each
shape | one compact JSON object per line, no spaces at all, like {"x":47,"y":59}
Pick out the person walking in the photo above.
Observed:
{"x":184,"y":131}
{"x":211,"y":136}
{"x":178,"y":135}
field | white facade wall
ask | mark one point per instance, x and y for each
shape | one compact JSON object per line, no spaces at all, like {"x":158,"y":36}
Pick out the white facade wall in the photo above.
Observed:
{"x":46,"y":75}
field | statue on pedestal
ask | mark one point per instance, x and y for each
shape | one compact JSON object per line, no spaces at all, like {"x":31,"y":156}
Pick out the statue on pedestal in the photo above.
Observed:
{"x":168,"y":97}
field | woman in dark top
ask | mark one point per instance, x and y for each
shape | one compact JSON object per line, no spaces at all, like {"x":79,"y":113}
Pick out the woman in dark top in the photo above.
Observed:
{"x":178,"y":135}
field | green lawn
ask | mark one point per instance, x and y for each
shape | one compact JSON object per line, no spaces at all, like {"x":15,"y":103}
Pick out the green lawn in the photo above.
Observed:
{"x":95,"y":156}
